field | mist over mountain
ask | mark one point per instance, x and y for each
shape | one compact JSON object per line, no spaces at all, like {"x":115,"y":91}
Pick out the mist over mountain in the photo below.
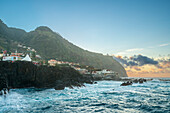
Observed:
{"x":50,"y":45}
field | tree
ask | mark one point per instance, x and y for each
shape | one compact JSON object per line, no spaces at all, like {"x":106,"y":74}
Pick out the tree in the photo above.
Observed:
{"x":33,"y":55}
{"x":1,"y":58}
{"x":46,"y":62}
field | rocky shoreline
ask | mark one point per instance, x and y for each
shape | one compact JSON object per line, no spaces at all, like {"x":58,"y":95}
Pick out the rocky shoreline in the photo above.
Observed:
{"x":25,"y":74}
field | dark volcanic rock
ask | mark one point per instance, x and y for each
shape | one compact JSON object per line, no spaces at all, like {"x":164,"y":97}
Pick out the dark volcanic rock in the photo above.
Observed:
{"x":18,"y":74}
{"x":59,"y":85}
{"x":126,"y":83}
{"x":25,"y":74}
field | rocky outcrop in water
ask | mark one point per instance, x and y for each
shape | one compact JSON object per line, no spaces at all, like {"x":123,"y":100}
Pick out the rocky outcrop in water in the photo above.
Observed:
{"x":130,"y":81}
{"x":25,"y":74}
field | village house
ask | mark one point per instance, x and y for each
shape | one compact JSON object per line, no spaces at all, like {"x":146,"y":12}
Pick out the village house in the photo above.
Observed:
{"x":28,"y":48}
{"x":1,"y":54}
{"x":19,"y":45}
{"x":33,"y":50}
{"x":59,"y":62}
{"x":18,"y":54}
{"x":52,"y":62}
{"x":11,"y":58}
{"x":97,"y":72}
{"x":104,"y":72}
{"x":5,"y":53}
{"x":76,"y":68}
{"x":38,"y":56}
{"x":24,"y":47}
{"x":107,"y":71}
{"x":81,"y":70}
{"x":16,"y":58}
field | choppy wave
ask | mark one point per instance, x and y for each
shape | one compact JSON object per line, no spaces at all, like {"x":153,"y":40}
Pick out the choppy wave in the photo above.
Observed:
{"x":105,"y":96}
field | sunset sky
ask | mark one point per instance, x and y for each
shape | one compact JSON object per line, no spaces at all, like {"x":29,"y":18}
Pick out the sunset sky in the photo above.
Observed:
{"x":114,"y":27}
{"x":143,"y":66}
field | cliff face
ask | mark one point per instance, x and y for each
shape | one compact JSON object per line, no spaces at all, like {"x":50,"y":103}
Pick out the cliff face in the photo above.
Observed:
{"x":26,"y":74}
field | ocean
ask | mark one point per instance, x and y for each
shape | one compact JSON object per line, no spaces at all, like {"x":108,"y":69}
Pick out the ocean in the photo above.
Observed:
{"x":105,"y":96}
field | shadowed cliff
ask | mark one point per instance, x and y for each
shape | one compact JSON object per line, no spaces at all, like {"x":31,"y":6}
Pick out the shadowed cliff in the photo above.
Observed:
{"x":25,"y":74}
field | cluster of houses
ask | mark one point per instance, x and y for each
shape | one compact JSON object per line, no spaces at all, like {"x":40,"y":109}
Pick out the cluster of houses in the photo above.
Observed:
{"x":25,"y":47}
{"x":26,"y":57}
{"x":14,"y":56}
{"x":77,"y":67}
{"x":104,"y":72}
{"x":53,"y":62}
{"x":28,"y":53}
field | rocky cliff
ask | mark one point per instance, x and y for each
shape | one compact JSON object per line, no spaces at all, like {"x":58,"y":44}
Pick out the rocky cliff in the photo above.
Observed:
{"x":25,"y":74}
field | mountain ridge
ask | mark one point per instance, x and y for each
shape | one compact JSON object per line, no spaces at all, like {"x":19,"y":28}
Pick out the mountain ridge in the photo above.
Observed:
{"x":50,"y":44}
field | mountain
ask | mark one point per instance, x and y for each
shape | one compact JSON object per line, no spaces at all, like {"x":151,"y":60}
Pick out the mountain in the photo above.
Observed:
{"x":50,"y":44}
{"x":9,"y":37}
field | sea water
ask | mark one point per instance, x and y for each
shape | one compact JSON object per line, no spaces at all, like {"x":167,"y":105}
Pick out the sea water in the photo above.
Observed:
{"x":105,"y":96}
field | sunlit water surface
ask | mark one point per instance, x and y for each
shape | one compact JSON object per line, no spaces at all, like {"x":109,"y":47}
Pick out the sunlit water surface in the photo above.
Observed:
{"x":105,"y":96}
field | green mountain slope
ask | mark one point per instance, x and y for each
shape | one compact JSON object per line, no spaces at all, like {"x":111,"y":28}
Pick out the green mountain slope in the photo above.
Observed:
{"x":52,"y":45}
{"x":10,"y":37}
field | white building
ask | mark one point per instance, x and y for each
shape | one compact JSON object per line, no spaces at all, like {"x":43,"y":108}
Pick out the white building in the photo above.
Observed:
{"x":107,"y":71}
{"x":52,"y":62}
{"x":11,"y":58}
{"x":104,"y":71}
{"x":15,"y":58}
{"x":27,"y":58}
{"x":1,"y":55}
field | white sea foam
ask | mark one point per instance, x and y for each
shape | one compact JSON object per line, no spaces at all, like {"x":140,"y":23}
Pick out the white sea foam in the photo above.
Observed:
{"x":105,"y":96}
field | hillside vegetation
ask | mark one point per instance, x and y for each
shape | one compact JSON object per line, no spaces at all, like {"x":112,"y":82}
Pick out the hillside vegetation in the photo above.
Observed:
{"x":50,"y":44}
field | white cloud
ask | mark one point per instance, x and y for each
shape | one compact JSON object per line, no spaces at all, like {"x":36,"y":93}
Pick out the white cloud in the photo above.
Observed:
{"x":130,"y":51}
{"x":121,"y":53}
{"x":135,"y":49}
{"x":163,"y":45}
{"x":126,"y":52}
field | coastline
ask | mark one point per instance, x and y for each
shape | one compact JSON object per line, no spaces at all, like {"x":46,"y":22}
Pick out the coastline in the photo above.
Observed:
{"x":26,"y":74}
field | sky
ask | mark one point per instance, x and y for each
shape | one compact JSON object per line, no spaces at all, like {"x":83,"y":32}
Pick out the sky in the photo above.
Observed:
{"x":143,"y":66}
{"x":114,"y":27}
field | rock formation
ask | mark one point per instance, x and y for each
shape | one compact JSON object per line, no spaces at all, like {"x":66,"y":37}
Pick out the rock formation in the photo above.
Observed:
{"x":25,"y":74}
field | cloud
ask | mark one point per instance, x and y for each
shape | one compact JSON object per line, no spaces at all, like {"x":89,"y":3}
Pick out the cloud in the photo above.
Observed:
{"x":129,"y":51}
{"x":125,"y":52}
{"x":136,"y":60}
{"x":164,"y":64}
{"x":164,"y":45}
{"x":131,"y":63}
{"x":142,"y":60}
{"x":161,"y":45}
{"x":121,"y":53}
{"x":121,"y":60}
{"x":137,"y":68}
{"x":139,"y":65}
{"x":135,"y":49}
